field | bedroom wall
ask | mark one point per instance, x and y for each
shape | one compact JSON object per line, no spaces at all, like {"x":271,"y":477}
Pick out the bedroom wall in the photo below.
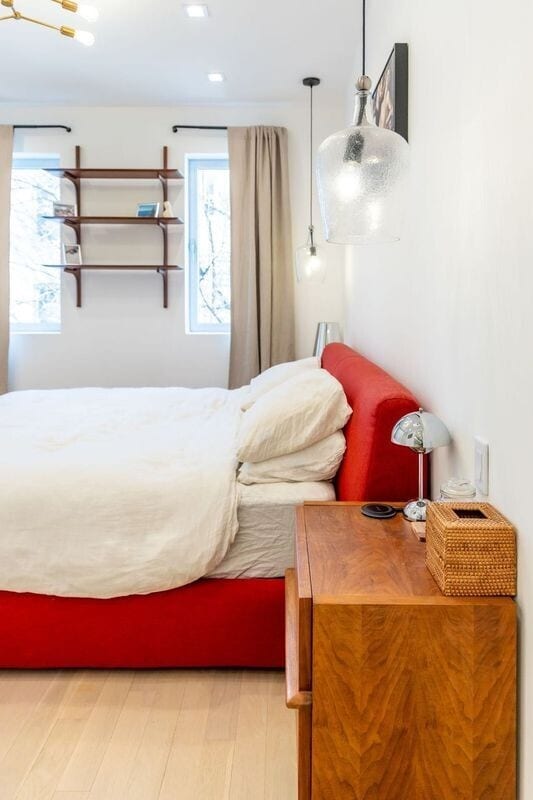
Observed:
{"x":448,"y":309}
{"x":122,"y":335}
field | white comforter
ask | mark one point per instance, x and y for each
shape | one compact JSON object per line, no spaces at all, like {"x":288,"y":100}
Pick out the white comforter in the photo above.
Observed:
{"x":135,"y":493}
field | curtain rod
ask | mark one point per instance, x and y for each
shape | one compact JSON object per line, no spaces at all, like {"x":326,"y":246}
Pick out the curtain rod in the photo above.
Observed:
{"x":177,"y":128}
{"x":63,"y":127}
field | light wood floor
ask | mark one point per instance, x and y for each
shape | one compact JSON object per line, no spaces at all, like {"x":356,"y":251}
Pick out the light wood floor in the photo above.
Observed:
{"x":166,"y":735}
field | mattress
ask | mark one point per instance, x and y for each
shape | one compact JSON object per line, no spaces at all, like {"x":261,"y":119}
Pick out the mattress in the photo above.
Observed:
{"x":264,"y":544}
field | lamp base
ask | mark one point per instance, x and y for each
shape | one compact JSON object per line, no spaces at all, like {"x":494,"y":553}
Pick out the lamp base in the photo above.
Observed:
{"x":415,"y":511}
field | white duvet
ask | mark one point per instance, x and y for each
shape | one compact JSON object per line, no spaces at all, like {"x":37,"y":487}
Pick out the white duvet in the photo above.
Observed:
{"x":106,"y":492}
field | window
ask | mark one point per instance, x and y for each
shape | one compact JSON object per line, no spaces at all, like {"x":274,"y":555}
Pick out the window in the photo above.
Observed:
{"x":35,"y":302}
{"x":208,"y":244}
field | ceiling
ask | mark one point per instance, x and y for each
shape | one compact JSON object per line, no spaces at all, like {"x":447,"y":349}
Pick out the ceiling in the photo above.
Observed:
{"x":152,"y":54}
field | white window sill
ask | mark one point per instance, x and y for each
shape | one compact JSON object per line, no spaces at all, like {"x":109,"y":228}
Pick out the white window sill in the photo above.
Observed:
{"x":35,"y":332}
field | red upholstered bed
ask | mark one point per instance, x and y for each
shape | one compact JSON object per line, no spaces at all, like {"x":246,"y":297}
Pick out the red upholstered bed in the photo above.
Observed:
{"x":214,"y":622}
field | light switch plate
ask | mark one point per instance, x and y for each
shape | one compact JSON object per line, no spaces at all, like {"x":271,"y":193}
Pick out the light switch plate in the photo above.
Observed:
{"x":481,"y":465}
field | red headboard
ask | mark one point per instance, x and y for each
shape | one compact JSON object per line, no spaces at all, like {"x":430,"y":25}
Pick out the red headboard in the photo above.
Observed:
{"x":372,"y":468}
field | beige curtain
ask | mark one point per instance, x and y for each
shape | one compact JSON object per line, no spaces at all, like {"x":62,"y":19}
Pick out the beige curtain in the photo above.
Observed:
{"x":262,"y":286}
{"x":6,"y":159}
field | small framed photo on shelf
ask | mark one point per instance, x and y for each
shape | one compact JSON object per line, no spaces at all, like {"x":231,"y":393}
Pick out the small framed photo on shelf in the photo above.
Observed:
{"x":148,"y":209}
{"x":72,"y":255}
{"x":65,"y":210}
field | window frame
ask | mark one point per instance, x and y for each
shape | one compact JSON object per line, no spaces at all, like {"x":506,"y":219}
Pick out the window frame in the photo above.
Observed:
{"x":37,"y":161}
{"x":201,"y":160}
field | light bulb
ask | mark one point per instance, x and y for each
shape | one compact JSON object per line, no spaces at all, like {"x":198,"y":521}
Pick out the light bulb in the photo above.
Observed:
{"x":310,"y":265}
{"x":348,"y":183}
{"x":90,"y":13}
{"x":85,"y":37}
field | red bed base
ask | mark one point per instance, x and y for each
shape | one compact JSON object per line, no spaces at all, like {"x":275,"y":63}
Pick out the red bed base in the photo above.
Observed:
{"x":210,"y":623}
{"x":214,"y":623}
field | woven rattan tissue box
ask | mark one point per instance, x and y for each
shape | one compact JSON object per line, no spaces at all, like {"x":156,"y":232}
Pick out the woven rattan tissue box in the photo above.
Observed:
{"x":470,"y":550}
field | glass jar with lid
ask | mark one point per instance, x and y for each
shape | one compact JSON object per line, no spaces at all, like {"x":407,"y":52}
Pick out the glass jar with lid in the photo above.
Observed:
{"x":457,"y":489}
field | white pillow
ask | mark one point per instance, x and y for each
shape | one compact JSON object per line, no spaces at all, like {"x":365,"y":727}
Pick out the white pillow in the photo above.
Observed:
{"x":276,"y":375}
{"x":301,"y":411}
{"x":319,"y":462}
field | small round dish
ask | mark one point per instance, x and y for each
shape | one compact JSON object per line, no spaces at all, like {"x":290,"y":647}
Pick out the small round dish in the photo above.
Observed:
{"x":378,"y":511}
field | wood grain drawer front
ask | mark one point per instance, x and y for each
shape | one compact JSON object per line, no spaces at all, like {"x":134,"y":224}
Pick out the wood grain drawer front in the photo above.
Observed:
{"x":414,"y":702}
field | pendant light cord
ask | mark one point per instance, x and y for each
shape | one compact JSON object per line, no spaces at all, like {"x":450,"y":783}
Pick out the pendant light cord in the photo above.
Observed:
{"x":311,"y":160}
{"x":311,"y":83}
{"x":364,"y":37}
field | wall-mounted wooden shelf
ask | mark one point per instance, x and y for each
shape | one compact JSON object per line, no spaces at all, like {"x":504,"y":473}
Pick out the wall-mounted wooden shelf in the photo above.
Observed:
{"x":91,"y":173}
{"x":118,"y":267}
{"x":116,"y":220}
{"x":76,"y":270}
{"x":76,"y":175}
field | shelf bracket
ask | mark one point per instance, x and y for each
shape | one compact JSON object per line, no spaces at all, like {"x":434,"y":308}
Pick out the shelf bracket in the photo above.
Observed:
{"x":76,"y":272}
{"x":164,"y":274}
{"x":162,"y":178}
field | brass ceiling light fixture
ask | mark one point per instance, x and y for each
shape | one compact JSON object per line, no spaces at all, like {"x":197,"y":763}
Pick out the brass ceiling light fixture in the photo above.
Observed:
{"x":88,"y":12}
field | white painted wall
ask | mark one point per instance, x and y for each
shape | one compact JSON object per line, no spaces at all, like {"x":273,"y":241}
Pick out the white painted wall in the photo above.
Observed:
{"x":122,"y":335}
{"x":448,"y":309}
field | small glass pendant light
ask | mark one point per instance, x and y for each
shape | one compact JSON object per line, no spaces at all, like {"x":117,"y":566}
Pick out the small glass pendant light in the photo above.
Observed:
{"x":361,"y":175}
{"x":310,"y":261}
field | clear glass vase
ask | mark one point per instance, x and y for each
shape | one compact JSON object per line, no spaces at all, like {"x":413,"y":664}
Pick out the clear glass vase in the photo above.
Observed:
{"x":361,"y":174}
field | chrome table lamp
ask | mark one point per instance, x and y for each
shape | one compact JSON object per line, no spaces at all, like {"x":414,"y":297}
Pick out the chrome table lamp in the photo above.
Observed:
{"x":422,"y":432}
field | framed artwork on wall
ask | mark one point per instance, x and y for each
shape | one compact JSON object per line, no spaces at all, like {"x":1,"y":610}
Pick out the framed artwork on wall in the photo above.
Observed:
{"x":147,"y":209}
{"x":65,"y":210}
{"x":391,"y":95}
{"x":72,"y":255}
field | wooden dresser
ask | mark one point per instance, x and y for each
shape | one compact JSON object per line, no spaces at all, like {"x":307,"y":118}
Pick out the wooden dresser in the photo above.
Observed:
{"x":402,"y":693}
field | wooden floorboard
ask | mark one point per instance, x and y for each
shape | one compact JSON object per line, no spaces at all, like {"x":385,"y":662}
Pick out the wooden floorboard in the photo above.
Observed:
{"x":147,"y":735}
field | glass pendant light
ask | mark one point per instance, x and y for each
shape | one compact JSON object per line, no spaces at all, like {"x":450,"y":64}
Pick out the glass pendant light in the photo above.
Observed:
{"x":361,"y":175}
{"x":310,"y":261}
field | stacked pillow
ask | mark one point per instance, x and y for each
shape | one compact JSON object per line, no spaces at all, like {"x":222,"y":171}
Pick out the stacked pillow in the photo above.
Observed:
{"x":292,"y":426}
{"x":275,"y":376}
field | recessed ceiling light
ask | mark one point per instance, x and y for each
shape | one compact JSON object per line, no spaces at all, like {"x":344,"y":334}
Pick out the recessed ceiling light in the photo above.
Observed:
{"x":196,"y":11}
{"x":216,"y":77}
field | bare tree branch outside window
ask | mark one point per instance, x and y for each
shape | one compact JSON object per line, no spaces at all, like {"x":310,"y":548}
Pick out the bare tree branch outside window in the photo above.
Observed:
{"x":212,"y":303}
{"x":34,"y":290}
